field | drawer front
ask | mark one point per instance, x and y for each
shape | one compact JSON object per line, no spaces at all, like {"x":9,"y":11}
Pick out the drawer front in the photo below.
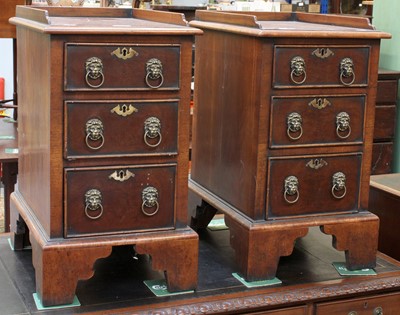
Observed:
{"x":385,"y":122}
{"x":119,"y":199}
{"x":386,"y":92}
{"x":300,"y":310}
{"x":323,"y":120}
{"x":121,"y":67}
{"x":313,"y":185}
{"x":316,"y":66}
{"x":384,"y":304}
{"x":382,"y":158}
{"x":120,"y":128}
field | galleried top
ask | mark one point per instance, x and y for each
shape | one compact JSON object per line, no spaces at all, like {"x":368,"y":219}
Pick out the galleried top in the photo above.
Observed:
{"x":66,"y":20}
{"x":287,"y":24}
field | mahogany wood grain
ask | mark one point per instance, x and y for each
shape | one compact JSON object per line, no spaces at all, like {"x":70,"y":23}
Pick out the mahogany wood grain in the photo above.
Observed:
{"x":242,"y":149}
{"x":8,"y":8}
{"x":58,"y":167}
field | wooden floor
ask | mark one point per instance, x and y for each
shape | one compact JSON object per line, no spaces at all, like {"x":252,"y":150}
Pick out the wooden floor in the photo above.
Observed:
{"x":117,"y":286}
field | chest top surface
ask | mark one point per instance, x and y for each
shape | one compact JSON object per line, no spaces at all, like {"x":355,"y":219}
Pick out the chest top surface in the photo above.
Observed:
{"x":293,"y":25}
{"x":62,"y":20}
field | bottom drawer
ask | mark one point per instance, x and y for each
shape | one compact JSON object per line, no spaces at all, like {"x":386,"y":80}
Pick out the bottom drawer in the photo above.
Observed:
{"x":388,"y":304}
{"x":118,"y":199}
{"x":313,"y":185}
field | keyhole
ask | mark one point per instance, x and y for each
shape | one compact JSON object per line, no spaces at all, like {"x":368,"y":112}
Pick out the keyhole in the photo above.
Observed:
{"x":124,"y":108}
{"x":124,"y":52}
{"x":121,"y":174}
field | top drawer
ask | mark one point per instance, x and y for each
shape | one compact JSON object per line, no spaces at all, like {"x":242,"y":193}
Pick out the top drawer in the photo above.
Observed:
{"x":121,"y":66}
{"x":320,"y":66}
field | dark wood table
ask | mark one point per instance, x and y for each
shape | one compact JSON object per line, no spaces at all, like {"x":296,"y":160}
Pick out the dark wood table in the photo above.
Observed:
{"x":309,"y":282}
{"x":9,"y":162}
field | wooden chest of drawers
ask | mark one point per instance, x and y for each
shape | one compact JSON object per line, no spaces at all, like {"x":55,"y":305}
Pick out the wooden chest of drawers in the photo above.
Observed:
{"x":104,"y":143}
{"x":385,"y":122}
{"x":282,"y":138}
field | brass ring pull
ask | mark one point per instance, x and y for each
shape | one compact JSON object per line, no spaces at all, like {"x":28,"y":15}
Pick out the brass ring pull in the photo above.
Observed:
{"x":154,"y":86}
{"x":343,"y":125}
{"x":291,"y":189}
{"x":93,"y":201}
{"x":154,"y":72}
{"x":339,"y":184}
{"x":298,"y":69}
{"x":149,"y":198}
{"x":94,"y":132}
{"x":94,"y":71}
{"x":294,"y":121}
{"x":347,"y":71}
{"x":152,"y":130}
{"x":377,"y":311}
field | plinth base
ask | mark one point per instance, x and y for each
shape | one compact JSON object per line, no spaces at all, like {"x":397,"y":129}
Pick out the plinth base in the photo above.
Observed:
{"x":60,"y":263}
{"x":259,"y":245}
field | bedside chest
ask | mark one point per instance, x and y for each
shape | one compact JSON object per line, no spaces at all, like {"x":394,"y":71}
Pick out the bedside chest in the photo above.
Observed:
{"x":283,"y":126}
{"x":104,"y":143}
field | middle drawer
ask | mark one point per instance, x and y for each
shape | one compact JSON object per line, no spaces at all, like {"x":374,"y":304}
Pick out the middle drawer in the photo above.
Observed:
{"x":120,"y":128}
{"x":119,"y":199}
{"x":317,"y":121}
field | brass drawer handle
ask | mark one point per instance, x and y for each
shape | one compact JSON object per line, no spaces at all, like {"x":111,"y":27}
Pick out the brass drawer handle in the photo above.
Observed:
{"x":94,"y":71}
{"x":291,"y":189}
{"x":347,"y":71}
{"x":154,"y":72}
{"x":93,"y":201}
{"x":94,"y":132}
{"x":149,"y":198}
{"x":339,"y":185}
{"x":152,"y":130}
{"x":298,"y":69}
{"x":343,"y":128}
{"x":294,"y":121}
{"x":378,"y":311}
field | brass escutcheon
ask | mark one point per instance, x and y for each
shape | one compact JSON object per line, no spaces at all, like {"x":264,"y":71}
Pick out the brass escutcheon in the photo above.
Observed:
{"x":94,"y":71}
{"x":124,"y":110}
{"x":125,"y":53}
{"x":319,"y":103}
{"x":154,"y":70}
{"x":316,"y":163}
{"x":121,"y":175}
{"x":93,"y":199}
{"x":322,"y":53}
{"x":150,"y":200}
